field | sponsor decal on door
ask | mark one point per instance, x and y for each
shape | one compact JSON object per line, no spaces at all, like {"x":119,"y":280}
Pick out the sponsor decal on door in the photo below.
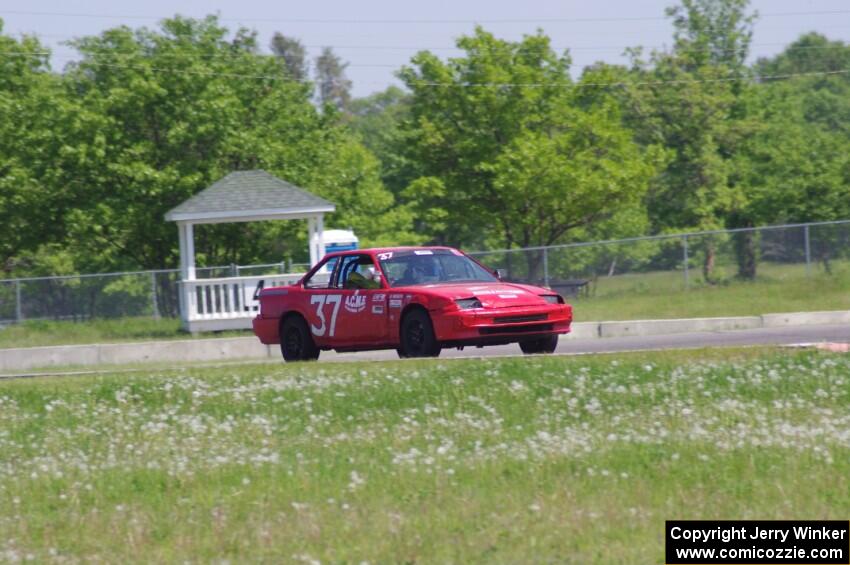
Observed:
{"x":355,"y":303}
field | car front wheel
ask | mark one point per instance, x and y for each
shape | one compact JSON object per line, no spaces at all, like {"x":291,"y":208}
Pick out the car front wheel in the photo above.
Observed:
{"x":296,"y":343}
{"x":417,"y":336}
{"x":541,"y":345}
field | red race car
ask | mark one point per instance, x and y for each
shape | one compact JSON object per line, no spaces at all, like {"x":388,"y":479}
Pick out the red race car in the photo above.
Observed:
{"x":416,"y":300}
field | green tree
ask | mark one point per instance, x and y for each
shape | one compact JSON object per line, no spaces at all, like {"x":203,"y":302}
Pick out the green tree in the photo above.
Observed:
{"x":793,"y":169}
{"x":512,"y":153}
{"x":377,"y":119}
{"x":810,"y":53}
{"x":167,"y":113}
{"x":34,"y":123}
{"x":797,"y":167}
{"x":334,"y":87}
{"x":292,"y":51}
{"x":351,"y":178}
{"x":693,"y":103}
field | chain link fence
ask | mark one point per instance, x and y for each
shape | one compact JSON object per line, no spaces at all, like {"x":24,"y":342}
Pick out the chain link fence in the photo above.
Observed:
{"x":676,"y":263}
{"x":669,"y":263}
{"x":81,"y":297}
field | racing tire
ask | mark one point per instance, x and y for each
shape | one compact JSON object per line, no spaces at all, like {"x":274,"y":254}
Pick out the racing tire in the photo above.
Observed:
{"x":417,"y":336}
{"x":541,"y":345}
{"x":296,"y":342}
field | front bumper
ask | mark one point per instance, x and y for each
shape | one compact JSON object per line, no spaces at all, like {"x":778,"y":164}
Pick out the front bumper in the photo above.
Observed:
{"x":501,"y":325}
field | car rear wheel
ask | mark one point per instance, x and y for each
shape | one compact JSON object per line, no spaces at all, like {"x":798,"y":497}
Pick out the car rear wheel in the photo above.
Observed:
{"x":296,"y":343}
{"x":542,"y":345}
{"x":417,"y":336}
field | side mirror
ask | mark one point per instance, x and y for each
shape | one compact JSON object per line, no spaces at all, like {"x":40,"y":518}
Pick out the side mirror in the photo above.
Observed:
{"x":501,"y":274}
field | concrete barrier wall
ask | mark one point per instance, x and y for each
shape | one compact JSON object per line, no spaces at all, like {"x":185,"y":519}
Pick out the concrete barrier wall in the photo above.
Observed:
{"x":224,"y":349}
{"x":805,"y":318}
{"x":28,"y":357}
{"x":584,"y":330}
{"x":221,"y":349}
{"x":689,"y":325}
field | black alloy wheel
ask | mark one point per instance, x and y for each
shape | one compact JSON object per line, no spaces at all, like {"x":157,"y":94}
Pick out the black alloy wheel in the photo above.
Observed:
{"x":417,"y":336}
{"x":296,"y":343}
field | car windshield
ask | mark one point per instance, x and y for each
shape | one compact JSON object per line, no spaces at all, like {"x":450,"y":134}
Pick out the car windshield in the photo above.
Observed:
{"x":431,"y":266}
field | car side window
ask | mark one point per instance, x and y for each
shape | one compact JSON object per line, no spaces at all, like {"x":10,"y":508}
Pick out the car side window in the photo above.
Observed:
{"x":347,"y":265}
{"x":321,"y":278}
{"x":357,"y":272}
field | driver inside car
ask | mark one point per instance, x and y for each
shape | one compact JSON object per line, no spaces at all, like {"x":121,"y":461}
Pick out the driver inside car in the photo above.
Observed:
{"x":357,"y":280}
{"x":417,"y":272}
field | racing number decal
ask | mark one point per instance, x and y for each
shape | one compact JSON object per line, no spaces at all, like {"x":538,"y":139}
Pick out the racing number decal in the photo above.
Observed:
{"x":255,"y":296}
{"x":320,"y":300}
{"x":260,"y":284}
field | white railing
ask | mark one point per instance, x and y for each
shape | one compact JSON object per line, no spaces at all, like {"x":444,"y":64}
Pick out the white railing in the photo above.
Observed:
{"x":231,"y":297}
{"x":234,"y":301}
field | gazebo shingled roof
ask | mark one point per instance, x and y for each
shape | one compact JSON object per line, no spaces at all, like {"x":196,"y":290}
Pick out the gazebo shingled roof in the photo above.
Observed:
{"x":245,"y":196}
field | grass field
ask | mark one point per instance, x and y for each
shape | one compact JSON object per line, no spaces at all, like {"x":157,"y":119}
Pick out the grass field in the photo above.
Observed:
{"x":557,"y":459}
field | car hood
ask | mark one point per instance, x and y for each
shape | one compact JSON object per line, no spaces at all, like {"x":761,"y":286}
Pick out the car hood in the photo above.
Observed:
{"x":491,"y":295}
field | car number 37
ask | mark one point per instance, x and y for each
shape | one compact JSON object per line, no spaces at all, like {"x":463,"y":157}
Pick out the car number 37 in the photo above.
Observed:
{"x":320,"y":301}
{"x":416,"y":300}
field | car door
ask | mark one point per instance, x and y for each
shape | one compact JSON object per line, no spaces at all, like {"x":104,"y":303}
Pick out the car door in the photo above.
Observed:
{"x":362,"y":317}
{"x":321,"y":303}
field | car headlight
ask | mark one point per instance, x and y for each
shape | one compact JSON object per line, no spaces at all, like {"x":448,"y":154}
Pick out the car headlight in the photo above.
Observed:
{"x":553,"y":298}
{"x":468,"y":303}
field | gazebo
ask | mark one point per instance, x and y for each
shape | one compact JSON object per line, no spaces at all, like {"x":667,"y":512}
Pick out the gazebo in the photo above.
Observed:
{"x":241,"y":196}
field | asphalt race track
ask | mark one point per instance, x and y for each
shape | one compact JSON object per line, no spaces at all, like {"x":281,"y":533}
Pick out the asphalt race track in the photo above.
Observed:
{"x":761,"y":336}
{"x":803,"y":335}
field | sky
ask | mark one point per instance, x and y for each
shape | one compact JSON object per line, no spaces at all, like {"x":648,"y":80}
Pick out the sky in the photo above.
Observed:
{"x":377,"y":37}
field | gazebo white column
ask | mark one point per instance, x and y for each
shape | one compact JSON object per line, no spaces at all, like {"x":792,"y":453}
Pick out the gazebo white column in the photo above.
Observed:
{"x":316,"y":237}
{"x":320,"y":223}
{"x":186,"y":236}
{"x":187,"y":250}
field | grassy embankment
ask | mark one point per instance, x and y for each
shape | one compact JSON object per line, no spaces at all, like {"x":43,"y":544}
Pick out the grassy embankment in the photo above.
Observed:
{"x":778,"y":288}
{"x":623,"y":297}
{"x":510,"y":460}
